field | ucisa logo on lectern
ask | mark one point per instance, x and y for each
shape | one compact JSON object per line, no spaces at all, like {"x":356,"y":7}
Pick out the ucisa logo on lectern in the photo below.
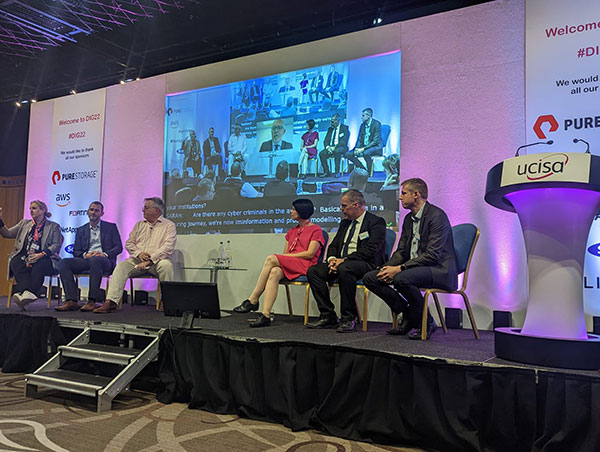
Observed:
{"x":544,"y":167}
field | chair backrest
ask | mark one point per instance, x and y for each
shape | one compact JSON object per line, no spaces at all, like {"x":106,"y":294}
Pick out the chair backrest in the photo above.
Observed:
{"x":465,"y":238}
{"x":324,"y":247}
{"x":385,"y":134}
{"x":390,"y":240}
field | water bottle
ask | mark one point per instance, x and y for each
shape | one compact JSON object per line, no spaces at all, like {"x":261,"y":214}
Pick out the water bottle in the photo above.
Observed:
{"x":228,"y":260}
{"x":221,"y":258}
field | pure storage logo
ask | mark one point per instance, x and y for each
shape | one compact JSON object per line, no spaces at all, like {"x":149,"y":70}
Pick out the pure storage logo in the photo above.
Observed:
{"x":550,"y":124}
{"x":542,"y":121}
{"x":57,"y":176}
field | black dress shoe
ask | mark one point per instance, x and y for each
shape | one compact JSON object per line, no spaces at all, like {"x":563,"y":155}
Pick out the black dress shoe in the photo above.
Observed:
{"x":261,"y":321}
{"x":246,"y":307}
{"x":401,"y":329}
{"x":415,"y":333}
{"x":323,"y":323}
{"x":347,"y":326}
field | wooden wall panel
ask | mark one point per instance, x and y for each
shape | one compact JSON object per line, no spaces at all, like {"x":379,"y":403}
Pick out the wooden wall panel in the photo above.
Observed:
{"x":12,"y":199}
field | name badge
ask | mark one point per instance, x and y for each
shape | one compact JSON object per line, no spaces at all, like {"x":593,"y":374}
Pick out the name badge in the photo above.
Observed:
{"x":363,"y":235}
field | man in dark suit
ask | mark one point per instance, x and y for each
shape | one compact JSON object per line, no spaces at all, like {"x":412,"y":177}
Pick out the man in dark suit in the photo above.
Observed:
{"x":212,"y":150}
{"x":276,"y":142}
{"x":368,"y":143}
{"x":357,"y":248}
{"x":424,"y":258}
{"x":97,"y":245}
{"x":335,"y":144}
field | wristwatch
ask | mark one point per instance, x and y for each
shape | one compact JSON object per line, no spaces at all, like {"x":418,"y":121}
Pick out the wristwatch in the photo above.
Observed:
{"x":402,"y":267}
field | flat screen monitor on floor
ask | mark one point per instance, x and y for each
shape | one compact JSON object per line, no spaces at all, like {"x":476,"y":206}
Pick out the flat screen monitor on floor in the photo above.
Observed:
{"x":190,"y":300}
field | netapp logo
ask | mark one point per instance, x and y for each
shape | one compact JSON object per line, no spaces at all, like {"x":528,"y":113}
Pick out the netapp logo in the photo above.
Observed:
{"x":68,"y":230}
{"x":77,"y":213}
{"x":594,"y":249}
{"x":69,"y":249}
{"x":544,"y":167}
{"x":79,"y":175}
{"x":63,"y":199}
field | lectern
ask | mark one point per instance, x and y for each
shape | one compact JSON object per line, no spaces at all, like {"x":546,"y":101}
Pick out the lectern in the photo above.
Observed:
{"x":556,"y":196}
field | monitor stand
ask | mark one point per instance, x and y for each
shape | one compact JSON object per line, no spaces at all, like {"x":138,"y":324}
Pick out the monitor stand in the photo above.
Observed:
{"x":187,"y":320}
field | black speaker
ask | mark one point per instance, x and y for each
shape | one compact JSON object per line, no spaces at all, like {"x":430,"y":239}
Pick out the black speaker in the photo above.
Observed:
{"x":596,"y":323}
{"x":140,"y":297}
{"x":502,"y":319}
{"x":454,"y":318}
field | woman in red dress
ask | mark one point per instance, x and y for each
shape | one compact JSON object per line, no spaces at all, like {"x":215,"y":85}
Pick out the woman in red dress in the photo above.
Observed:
{"x":303,"y":245}
{"x":308,"y":151}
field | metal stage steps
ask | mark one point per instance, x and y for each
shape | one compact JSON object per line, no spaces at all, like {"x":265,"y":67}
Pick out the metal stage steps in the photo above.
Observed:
{"x":100,"y":362}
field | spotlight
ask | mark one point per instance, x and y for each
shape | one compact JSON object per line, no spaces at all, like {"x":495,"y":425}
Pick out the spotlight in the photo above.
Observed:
{"x":18,"y":104}
{"x":454,"y":318}
{"x":129,"y":80}
{"x":596,"y":324}
{"x":24,"y":101}
{"x":137,"y":79}
{"x":378,"y":17}
{"x":33,"y":101}
{"x":73,"y":91}
{"x":502,"y":319}
{"x":122,"y":82}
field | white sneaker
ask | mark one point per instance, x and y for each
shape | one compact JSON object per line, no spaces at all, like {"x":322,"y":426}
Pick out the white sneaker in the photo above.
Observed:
{"x":17,"y":299}
{"x":27,"y":297}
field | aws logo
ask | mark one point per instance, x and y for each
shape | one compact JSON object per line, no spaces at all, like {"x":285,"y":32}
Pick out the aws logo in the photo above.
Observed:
{"x":69,"y":249}
{"x":542,"y":120}
{"x":63,"y":199}
{"x":545,"y":167}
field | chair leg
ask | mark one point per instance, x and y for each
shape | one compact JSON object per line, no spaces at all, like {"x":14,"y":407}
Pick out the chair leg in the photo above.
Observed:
{"x":365,"y":307}
{"x":394,"y":320}
{"x":11,"y":285}
{"x":439,"y":311}
{"x":158,"y":297}
{"x":289,"y":300}
{"x":470,"y":312}
{"x":131,"y":291}
{"x":424,"y":318}
{"x":49,"y":292}
{"x":306,"y":295}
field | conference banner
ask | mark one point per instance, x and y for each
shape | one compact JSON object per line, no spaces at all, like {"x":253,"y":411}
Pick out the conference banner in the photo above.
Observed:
{"x":76,"y":164}
{"x":563,"y":95}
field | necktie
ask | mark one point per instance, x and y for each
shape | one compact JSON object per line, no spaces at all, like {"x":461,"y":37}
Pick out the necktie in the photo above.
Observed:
{"x":334,"y":140}
{"x":276,"y":147}
{"x":349,"y":239}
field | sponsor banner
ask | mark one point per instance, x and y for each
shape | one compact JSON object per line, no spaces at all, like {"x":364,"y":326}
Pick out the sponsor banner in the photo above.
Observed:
{"x":563,"y":74}
{"x":549,"y":167}
{"x":76,"y":164}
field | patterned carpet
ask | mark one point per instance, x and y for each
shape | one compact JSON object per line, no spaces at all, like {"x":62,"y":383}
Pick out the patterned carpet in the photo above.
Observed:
{"x":139,"y":423}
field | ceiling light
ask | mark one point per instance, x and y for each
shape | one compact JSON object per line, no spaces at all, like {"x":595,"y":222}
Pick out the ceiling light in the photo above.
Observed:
{"x":73,"y":91}
{"x":18,"y":104}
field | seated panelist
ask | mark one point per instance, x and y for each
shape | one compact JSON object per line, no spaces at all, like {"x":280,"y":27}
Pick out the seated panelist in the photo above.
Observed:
{"x":150,"y":246}
{"x":303,"y":244}
{"x":97,"y":245}
{"x":35,"y":252}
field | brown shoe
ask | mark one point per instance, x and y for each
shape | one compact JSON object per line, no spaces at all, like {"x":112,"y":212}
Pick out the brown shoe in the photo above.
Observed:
{"x":107,"y":307}
{"x":88,"y":307}
{"x":70,"y":305}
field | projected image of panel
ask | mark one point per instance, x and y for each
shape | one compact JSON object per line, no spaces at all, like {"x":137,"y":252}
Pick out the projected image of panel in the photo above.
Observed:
{"x":237,"y":155}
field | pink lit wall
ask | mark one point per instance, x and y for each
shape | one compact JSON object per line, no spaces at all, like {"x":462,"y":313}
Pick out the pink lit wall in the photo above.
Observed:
{"x":462,"y":112}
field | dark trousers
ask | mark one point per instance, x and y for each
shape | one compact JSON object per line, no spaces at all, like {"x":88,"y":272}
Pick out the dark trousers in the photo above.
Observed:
{"x":30,"y":278}
{"x":367,"y":154}
{"x":347,"y":274}
{"x":405,"y":295}
{"x":337,"y":157}
{"x":97,"y":266}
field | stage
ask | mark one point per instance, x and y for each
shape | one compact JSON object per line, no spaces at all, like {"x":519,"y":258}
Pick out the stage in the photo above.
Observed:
{"x":448,"y":393}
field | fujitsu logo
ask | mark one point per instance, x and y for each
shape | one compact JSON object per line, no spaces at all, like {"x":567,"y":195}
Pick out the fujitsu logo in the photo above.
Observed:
{"x":545,"y":167}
